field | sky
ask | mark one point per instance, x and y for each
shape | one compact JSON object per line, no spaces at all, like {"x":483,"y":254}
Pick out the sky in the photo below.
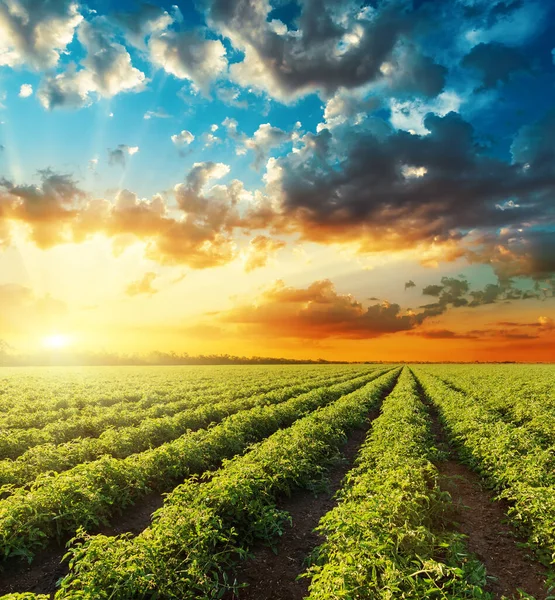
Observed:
{"x":309,"y":179}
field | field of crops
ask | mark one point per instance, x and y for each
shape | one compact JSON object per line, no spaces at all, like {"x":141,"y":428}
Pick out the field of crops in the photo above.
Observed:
{"x":277,"y":482}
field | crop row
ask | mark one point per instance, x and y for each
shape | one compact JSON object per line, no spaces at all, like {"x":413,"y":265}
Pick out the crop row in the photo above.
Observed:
{"x":523,"y":397}
{"x":390,"y":534}
{"x":204,"y":529}
{"x":39,"y":412}
{"x":151,"y":432}
{"x":16,"y":441}
{"x":91,"y":493}
{"x":506,"y":455}
{"x":59,"y":388}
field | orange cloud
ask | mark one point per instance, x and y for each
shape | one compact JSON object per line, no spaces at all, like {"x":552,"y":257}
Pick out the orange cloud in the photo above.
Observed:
{"x":316,"y":312}
{"x":260,"y":250}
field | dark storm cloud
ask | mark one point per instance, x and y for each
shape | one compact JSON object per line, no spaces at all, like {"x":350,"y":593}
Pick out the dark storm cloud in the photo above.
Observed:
{"x":407,"y":187}
{"x":334,"y":44}
{"x":495,"y":62}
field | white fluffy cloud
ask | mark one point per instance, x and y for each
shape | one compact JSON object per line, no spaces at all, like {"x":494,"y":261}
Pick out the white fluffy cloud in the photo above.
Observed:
{"x":105,"y":71}
{"x":25,"y":90}
{"x":264,"y":139}
{"x":34,"y":33}
{"x":184,"y":138}
{"x":189,"y":55}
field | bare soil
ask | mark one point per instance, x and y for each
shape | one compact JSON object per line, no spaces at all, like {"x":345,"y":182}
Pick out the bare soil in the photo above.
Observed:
{"x":483,"y":520}
{"x":273,"y":576}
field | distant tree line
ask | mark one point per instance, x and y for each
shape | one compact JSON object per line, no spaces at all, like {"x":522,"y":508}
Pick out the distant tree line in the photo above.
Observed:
{"x":66,"y":358}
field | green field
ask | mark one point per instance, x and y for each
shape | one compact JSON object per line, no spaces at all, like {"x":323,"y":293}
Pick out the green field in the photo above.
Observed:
{"x":220,"y":451}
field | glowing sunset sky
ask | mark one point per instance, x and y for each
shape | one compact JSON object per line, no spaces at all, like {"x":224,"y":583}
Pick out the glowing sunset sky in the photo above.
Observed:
{"x":306,"y":178}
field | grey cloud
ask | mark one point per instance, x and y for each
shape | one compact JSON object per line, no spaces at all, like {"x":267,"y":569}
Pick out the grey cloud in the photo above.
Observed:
{"x":386,"y":189}
{"x":286,"y":64}
{"x":139,"y":24}
{"x":495,"y":63}
{"x":414,"y":73}
{"x":432,"y":290}
{"x":118,"y":155}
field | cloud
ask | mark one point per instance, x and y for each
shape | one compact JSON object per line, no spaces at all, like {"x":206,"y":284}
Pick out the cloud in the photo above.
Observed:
{"x":210,"y":139}
{"x":432,"y":290}
{"x":66,"y":90}
{"x":47,"y":208}
{"x":316,"y":312}
{"x":260,"y":250}
{"x":142,"y":286}
{"x":230,"y":96}
{"x":349,"y":106}
{"x":25,"y":90}
{"x":333,"y":45}
{"x":34,"y":33}
{"x":184,"y":138}
{"x":495,"y":63}
{"x":143,"y":22}
{"x":445,"y":334}
{"x":357,"y":187}
{"x":199,"y":233}
{"x":409,"y":284}
{"x":189,"y":55}
{"x":105,"y":71}
{"x":118,"y":156}
{"x":522,"y":252}
{"x":231,"y":126}
{"x":264,"y":139}
{"x":409,"y":72}
{"x":156,"y":114}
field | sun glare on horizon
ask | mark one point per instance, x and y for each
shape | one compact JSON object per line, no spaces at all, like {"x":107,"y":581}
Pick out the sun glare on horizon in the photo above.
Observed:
{"x":56,"y":341}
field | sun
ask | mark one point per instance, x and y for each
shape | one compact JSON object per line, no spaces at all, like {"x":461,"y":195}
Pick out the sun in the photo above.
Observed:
{"x":56,"y":341}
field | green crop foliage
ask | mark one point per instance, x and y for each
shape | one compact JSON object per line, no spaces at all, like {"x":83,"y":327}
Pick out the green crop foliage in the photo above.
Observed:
{"x":513,"y":461}
{"x":89,"y":494}
{"x":78,"y":447}
{"x":148,"y":433}
{"x":388,"y":537}
{"x":203,"y":530}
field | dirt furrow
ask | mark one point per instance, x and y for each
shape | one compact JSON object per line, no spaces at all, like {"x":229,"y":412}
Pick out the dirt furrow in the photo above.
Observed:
{"x":273,"y":575}
{"x":510,"y":568}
